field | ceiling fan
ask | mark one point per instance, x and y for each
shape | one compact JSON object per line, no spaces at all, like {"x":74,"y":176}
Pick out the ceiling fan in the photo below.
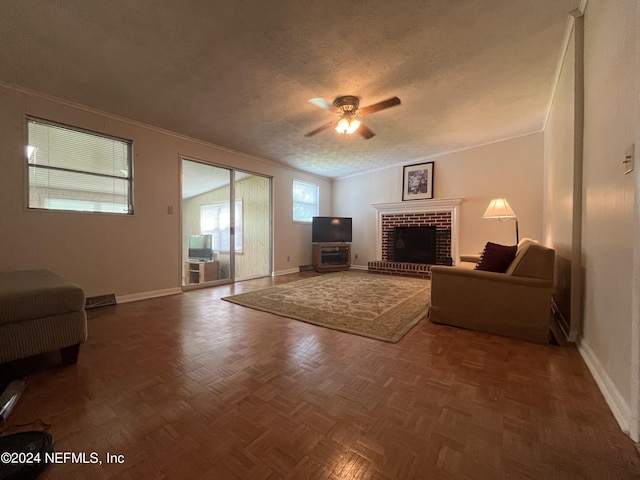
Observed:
{"x":349,"y":113}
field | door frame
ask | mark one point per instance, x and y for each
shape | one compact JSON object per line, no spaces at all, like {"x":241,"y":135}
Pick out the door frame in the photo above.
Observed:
{"x":232,"y":181}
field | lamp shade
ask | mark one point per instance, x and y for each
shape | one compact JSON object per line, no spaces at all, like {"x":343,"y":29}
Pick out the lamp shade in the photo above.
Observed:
{"x":499,"y":208}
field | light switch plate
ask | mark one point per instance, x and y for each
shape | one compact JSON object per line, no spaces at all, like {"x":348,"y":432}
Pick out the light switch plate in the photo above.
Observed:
{"x":629,"y":159}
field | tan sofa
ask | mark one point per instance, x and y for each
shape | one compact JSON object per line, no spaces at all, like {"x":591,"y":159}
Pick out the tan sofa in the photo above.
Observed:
{"x":515,"y":304}
{"x":40,"y":312}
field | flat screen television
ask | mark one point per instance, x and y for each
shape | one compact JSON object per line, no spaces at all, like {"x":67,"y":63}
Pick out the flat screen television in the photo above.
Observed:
{"x":330,"y":229}
{"x":200,"y":247}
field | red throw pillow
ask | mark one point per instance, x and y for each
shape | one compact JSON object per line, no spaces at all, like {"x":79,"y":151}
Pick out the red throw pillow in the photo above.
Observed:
{"x":496,"y":258}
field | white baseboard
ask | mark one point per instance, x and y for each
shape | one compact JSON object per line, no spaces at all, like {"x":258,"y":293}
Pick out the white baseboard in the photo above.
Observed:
{"x":358,"y":267}
{"x":146,"y":295}
{"x":616,"y":403}
{"x":286,"y":272}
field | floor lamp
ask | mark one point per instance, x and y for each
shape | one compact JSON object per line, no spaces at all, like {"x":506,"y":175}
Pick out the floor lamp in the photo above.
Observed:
{"x":499,"y":208}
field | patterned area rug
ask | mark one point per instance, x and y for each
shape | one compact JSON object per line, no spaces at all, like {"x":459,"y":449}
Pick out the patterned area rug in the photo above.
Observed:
{"x":376,"y":306}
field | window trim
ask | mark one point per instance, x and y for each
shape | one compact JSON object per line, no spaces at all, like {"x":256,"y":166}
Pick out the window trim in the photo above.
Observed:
{"x":129,"y":178}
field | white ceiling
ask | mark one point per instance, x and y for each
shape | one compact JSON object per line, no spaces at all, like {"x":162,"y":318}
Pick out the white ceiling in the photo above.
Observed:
{"x":199,"y":178}
{"x":239,"y":73}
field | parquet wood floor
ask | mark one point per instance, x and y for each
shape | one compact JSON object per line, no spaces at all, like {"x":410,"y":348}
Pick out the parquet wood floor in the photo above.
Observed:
{"x":192,"y":387}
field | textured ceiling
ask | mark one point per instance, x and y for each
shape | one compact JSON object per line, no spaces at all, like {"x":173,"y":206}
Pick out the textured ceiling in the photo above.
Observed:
{"x":240,"y":73}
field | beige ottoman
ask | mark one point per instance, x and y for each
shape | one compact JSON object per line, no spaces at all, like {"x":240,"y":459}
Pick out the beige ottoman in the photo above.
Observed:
{"x":40,"y":312}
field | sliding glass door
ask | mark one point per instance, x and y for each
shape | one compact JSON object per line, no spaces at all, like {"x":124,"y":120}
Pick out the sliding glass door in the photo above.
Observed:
{"x":253,"y":226}
{"x":226,"y":224}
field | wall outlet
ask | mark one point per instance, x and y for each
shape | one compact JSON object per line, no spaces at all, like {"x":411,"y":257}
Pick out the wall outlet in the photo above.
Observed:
{"x":170,"y":210}
{"x":288,"y":258}
{"x":356,"y":256}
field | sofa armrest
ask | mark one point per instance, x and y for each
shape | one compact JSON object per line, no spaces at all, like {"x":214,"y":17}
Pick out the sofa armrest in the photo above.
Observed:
{"x":470,"y":257}
{"x":492,"y":302}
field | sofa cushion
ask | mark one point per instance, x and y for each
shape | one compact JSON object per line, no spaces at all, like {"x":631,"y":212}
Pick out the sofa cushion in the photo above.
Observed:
{"x":533,"y":260}
{"x":524,"y":242}
{"x":496,"y":257}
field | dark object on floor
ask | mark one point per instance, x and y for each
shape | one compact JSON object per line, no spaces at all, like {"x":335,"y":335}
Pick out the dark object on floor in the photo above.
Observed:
{"x":9,"y":397}
{"x":26,"y":455}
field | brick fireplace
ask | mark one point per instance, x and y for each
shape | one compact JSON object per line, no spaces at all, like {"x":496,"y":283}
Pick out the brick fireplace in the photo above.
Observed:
{"x":440,"y":213}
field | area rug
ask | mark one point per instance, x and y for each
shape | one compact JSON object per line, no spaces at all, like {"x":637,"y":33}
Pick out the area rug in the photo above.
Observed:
{"x":376,"y":306}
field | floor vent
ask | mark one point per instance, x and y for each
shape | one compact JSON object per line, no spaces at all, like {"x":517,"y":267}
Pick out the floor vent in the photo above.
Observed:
{"x":100,"y":301}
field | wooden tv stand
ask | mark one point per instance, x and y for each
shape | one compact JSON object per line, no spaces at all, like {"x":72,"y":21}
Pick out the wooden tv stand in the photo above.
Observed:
{"x":200,"y":272}
{"x":331,"y":257}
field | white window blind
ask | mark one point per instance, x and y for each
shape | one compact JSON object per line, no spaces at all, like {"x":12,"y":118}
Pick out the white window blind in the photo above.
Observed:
{"x":71,"y":169}
{"x":215,"y":220}
{"x":305,"y":201}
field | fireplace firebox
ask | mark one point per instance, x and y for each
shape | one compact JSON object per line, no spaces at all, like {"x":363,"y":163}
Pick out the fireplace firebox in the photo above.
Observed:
{"x":414,"y":244}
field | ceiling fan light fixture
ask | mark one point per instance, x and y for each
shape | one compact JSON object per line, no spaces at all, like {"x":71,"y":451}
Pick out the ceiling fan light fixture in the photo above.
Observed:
{"x":347,"y":125}
{"x":347,"y":108}
{"x":353,"y":126}
{"x":343,"y":125}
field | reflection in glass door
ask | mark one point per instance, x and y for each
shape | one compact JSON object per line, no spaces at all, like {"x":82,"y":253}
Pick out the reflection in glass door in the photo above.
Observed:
{"x":226,"y":224}
{"x":207,"y":224}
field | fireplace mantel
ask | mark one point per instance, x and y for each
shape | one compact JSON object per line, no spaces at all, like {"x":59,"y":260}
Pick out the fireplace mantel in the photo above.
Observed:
{"x":450,"y":205}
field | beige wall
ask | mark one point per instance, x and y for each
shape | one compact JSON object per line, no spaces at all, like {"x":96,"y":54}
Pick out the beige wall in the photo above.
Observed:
{"x":512,"y":169}
{"x":136,"y":255}
{"x":610,"y":331}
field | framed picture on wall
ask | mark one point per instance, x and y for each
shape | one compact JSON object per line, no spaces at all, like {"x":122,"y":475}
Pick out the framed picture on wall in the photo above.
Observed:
{"x":417,"y":181}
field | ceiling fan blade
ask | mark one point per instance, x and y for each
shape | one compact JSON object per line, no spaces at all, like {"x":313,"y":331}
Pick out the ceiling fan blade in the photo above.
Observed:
{"x":322,"y":103}
{"x":376,"y":107}
{"x":320,"y":129}
{"x":365,"y":132}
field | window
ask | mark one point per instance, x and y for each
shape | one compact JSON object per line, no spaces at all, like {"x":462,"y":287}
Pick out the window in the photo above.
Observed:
{"x":305,"y":201}
{"x":71,"y":169}
{"x":215,"y":220}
